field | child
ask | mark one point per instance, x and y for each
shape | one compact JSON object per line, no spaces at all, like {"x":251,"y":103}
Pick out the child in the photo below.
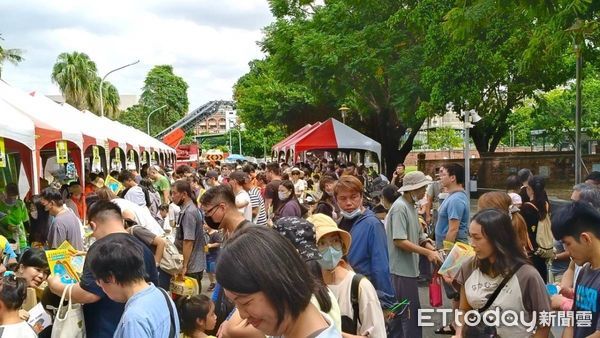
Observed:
{"x":197,"y":315}
{"x":163,"y":213}
{"x":13,"y":291}
{"x":215,"y":238}
{"x":577,"y":225}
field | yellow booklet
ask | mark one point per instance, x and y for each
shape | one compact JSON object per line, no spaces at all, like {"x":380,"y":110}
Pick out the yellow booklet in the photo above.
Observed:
{"x":60,"y":265}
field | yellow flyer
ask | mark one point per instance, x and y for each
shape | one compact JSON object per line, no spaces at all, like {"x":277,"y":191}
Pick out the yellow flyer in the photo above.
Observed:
{"x":60,"y":265}
{"x":2,"y":153}
{"x":61,"y":152}
{"x":113,"y":184}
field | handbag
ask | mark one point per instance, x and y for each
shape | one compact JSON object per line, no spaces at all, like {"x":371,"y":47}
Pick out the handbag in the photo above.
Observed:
{"x":69,"y":322}
{"x":435,"y":291}
{"x":482,"y":330}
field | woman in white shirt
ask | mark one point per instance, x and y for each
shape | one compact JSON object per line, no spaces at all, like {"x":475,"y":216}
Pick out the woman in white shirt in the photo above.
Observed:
{"x":333,"y":244}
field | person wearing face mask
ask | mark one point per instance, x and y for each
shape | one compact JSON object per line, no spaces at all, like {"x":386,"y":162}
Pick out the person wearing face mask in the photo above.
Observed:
{"x":368,"y":254}
{"x":405,"y":242}
{"x":65,"y":225}
{"x":13,"y":213}
{"x":289,"y":205}
{"x":333,"y":244}
{"x":327,"y":204}
{"x":189,"y":236}
{"x":220,"y":212}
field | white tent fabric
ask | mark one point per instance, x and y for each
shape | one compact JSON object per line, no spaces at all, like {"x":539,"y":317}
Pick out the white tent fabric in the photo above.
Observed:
{"x":41,"y":112}
{"x":16,"y":126}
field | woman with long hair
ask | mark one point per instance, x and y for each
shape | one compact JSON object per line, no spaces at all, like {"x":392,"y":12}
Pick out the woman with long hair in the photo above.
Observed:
{"x":327,"y":204}
{"x":535,"y":208}
{"x":288,"y":202}
{"x":503,"y":201}
{"x":500,"y":260}
{"x":274,"y":297}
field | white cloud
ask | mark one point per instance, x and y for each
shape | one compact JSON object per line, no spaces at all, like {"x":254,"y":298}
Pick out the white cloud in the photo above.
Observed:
{"x":209,"y":43}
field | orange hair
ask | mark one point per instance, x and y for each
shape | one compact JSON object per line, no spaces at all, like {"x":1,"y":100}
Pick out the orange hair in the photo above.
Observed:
{"x":502,"y":201}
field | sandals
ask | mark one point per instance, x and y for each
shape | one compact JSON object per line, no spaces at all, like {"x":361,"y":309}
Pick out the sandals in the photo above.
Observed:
{"x":445,"y":330}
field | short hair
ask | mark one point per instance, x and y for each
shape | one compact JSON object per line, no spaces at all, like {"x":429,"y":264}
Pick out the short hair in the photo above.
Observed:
{"x":591,"y":195}
{"x":248,"y":168}
{"x":575,"y":218}
{"x":105,"y":194}
{"x":326,"y":179}
{"x":12,"y":189}
{"x":221,"y":193}
{"x":13,"y":291}
{"x":512,"y":183}
{"x":348,"y":183}
{"x":53,"y":195}
{"x":183,"y":169}
{"x":456,"y":170}
{"x":147,"y":183}
{"x":121,"y":258}
{"x":238,"y":176}
{"x":163,"y":207}
{"x":523,"y":175}
{"x":190,"y":309}
{"x":183,"y":186}
{"x":390,"y":193}
{"x":274,"y":168}
{"x":593,"y":176}
{"x":241,"y":268}
{"x":126,"y":175}
{"x":103,"y":210}
{"x":401,"y":165}
{"x":34,"y":257}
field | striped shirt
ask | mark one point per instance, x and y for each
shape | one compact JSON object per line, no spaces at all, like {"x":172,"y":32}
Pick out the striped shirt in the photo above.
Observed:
{"x":258,"y":202}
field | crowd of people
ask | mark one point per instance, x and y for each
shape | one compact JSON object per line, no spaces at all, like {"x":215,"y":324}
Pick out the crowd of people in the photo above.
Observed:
{"x":319,"y":249}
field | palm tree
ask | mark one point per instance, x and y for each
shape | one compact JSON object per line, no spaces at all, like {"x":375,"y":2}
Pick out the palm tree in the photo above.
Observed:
{"x":110,"y":96}
{"x":13,"y":56}
{"x":75,"y":73}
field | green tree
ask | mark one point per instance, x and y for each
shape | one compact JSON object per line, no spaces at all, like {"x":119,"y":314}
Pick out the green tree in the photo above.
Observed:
{"x":134,"y":116}
{"x":444,"y":138}
{"x":75,"y":74}
{"x":110,"y":96}
{"x":11,"y":55}
{"x":163,"y":87}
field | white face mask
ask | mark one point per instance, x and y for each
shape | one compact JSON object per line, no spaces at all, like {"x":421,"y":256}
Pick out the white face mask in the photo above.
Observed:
{"x":351,"y":215}
{"x":283,"y":195}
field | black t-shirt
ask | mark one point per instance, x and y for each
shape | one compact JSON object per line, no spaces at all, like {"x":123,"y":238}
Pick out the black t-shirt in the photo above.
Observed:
{"x":272,"y":192}
{"x":102,"y":317}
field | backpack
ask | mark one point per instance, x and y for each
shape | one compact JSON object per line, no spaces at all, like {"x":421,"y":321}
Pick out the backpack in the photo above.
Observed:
{"x":543,"y":236}
{"x":350,"y":325}
{"x":171,"y":261}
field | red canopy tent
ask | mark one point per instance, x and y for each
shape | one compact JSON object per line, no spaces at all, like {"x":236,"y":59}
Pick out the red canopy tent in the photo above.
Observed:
{"x":333,"y":135}
{"x":278,"y":147}
{"x":285,"y":146}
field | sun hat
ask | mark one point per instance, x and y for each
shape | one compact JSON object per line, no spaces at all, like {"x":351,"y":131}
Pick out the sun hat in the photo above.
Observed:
{"x":325,"y":225}
{"x":302,"y":235}
{"x":414,"y":180}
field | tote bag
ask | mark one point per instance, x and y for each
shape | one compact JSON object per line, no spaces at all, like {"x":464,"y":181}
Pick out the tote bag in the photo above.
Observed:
{"x":69,"y":321}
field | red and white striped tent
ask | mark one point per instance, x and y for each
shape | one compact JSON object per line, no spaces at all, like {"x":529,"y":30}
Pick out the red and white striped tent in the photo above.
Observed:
{"x":330,"y":135}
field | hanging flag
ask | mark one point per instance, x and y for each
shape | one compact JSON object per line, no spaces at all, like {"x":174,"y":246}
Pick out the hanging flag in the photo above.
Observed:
{"x":61,"y":152}
{"x":24,"y":186}
{"x":2,"y":153}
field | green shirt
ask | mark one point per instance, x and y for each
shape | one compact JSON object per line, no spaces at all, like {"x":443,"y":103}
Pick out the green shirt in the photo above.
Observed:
{"x":162,"y":184}
{"x":402,"y":222}
{"x":12,"y":217}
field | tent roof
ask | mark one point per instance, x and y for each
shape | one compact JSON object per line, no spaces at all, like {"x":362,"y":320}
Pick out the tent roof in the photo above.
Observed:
{"x":19,"y":127}
{"x":277,"y":147}
{"x":333,"y":134}
{"x":287,"y":145}
{"x":43,"y":116}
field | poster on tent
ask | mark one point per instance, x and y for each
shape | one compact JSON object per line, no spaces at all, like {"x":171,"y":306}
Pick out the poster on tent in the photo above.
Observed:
{"x":2,"y":153}
{"x":154,"y":161}
{"x":61,"y":152}
{"x":96,"y":161}
{"x":144,"y":157}
{"x":116,"y":161}
{"x":131,"y":160}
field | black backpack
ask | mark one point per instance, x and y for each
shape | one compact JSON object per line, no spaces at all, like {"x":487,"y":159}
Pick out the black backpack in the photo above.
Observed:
{"x":349,"y":325}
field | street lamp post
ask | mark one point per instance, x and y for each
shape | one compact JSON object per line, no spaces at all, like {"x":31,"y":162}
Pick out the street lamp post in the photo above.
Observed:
{"x":467,"y":151}
{"x":102,"y":82}
{"x":152,"y":112}
{"x":344,"y":110}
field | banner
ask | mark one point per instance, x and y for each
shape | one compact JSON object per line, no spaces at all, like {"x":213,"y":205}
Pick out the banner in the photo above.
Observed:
{"x":61,"y":152}
{"x":2,"y":153}
{"x":144,"y":157}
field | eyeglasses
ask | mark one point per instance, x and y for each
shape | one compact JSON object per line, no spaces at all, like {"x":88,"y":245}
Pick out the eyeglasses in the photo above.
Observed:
{"x":210,"y":211}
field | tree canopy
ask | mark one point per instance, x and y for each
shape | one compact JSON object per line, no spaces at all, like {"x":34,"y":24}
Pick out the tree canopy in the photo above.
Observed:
{"x":396,"y":63}
{"x":12,"y":55}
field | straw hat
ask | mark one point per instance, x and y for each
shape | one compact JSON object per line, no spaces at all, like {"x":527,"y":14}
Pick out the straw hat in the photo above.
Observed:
{"x":414,"y":180}
{"x":325,"y":225}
